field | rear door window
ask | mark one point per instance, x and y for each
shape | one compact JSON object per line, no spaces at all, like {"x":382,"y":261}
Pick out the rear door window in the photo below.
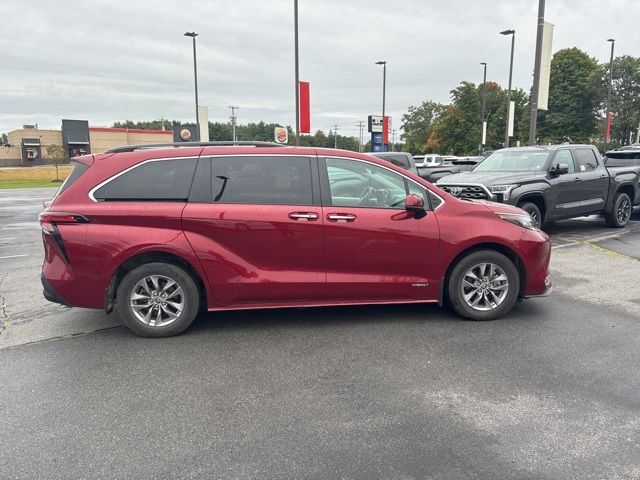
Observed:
{"x":262,"y":180}
{"x":585,"y":160}
{"x":161,"y":180}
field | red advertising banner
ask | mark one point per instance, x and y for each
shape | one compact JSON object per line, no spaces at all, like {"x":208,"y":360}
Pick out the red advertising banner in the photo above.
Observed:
{"x":607,"y":132}
{"x":386,"y":127}
{"x":305,"y":108}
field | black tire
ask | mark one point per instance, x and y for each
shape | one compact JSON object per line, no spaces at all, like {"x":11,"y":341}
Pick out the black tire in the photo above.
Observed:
{"x":534,"y":212}
{"x":621,"y":211}
{"x":455,"y":285}
{"x":189,"y":296}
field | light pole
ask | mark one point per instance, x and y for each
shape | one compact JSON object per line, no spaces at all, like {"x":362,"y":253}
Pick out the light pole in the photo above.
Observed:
{"x":193,"y":36}
{"x":482,"y":108}
{"x":297,"y":69}
{"x":533,"y":101}
{"x":606,"y":118}
{"x":384,"y":90}
{"x":513,"y":41}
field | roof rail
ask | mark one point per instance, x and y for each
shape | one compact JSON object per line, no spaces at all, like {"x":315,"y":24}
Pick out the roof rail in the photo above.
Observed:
{"x":230,"y":143}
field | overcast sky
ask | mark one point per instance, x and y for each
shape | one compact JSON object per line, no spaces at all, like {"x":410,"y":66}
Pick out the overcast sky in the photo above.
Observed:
{"x":108,"y":60}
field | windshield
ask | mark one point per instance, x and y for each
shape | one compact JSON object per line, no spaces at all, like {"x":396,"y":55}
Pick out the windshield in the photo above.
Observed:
{"x":514,"y":161}
{"x":622,"y":159}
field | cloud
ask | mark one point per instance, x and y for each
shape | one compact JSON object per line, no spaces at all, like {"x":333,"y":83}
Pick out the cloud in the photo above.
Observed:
{"x":107,"y":61}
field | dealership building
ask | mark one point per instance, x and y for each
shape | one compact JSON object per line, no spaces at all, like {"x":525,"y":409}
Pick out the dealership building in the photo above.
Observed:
{"x":28,"y":145}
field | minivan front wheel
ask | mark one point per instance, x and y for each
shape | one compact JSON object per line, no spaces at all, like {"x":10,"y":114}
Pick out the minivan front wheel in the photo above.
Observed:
{"x":484,"y":285}
{"x":158,"y":300}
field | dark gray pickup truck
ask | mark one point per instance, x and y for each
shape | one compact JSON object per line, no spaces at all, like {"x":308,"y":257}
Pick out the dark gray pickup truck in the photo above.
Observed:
{"x":552,"y":183}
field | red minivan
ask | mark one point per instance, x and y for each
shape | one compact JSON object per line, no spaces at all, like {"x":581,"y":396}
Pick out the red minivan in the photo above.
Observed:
{"x":162,"y":233}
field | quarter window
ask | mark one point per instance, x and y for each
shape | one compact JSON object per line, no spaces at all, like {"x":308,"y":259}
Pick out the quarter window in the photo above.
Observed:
{"x":359,"y":184}
{"x":262,"y":180}
{"x":586,"y":160}
{"x":164,"y":180}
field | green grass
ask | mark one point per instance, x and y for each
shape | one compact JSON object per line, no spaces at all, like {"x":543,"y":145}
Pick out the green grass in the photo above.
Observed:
{"x":29,"y":184}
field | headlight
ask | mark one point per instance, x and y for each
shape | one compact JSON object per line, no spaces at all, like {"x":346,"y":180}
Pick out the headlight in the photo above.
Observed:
{"x":505,"y":190}
{"x":524,"y":221}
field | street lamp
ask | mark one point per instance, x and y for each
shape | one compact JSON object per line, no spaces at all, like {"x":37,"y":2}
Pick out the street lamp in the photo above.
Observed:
{"x":384,"y":89}
{"x":606,"y":121}
{"x":513,"y":40}
{"x":482,"y":109}
{"x":297,"y":68}
{"x":193,"y":36}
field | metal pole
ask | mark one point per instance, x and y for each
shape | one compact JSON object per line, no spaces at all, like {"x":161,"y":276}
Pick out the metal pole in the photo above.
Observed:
{"x":297,"y":84}
{"x":482,"y":108}
{"x":195,"y":77}
{"x":335,"y":136}
{"x":384,"y":93}
{"x":506,"y":133}
{"x":536,"y":75}
{"x":606,"y":117}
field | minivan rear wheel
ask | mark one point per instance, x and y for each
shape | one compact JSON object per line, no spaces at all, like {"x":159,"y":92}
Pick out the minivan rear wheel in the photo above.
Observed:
{"x":158,"y":300}
{"x":484,"y":285}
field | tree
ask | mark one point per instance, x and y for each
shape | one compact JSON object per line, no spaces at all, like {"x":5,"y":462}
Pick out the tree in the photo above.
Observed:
{"x":625,"y":98}
{"x":4,"y":140}
{"x":55,"y":155}
{"x":418,"y":124}
{"x":575,"y":93}
{"x":458,"y":131}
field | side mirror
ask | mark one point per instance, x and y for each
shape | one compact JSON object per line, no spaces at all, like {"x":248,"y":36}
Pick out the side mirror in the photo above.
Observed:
{"x":559,"y":169}
{"x":415,"y":204}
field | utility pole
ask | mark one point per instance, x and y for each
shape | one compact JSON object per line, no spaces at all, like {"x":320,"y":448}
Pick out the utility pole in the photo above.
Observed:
{"x":360,"y":125}
{"x":393,"y":139}
{"x":335,"y":136}
{"x":193,"y":36}
{"x":536,"y":75}
{"x":607,"y":127}
{"x":233,"y":120}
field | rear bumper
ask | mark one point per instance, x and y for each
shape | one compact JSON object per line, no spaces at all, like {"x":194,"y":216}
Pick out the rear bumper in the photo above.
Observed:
{"x":50,"y":293}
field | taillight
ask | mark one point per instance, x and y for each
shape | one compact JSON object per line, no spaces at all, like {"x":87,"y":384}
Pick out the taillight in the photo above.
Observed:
{"x":50,"y":222}
{"x":62,"y":217}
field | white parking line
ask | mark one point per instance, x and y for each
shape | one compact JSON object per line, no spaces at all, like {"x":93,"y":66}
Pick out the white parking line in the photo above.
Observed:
{"x":7,"y":238}
{"x":15,"y":256}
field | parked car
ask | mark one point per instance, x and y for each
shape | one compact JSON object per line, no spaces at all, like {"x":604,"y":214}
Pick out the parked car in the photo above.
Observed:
{"x":463,"y":164}
{"x":161,"y":234}
{"x":400,"y":159}
{"x":552,"y":183}
{"x":428,"y":160}
{"x":623,"y":157}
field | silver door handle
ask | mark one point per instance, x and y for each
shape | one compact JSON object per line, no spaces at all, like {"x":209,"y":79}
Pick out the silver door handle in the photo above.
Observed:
{"x":338,"y":217}
{"x":303,"y":216}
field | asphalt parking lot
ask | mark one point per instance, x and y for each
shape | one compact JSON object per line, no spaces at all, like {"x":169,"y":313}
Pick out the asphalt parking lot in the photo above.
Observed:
{"x":394,"y":392}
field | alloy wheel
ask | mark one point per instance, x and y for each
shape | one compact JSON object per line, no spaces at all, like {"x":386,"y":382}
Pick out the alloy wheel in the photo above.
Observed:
{"x":484,"y":287}
{"x":623,"y":212}
{"x":157,"y":300}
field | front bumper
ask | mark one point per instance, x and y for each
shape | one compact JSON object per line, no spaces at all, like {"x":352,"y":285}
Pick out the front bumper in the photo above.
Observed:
{"x":546,"y":293}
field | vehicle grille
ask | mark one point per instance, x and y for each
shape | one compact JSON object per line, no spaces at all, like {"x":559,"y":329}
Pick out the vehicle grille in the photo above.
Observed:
{"x":466,"y":191}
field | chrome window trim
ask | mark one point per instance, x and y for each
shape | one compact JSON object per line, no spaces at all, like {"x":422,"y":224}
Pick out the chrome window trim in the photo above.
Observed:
{"x":442,"y":201}
{"x":113,"y":177}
